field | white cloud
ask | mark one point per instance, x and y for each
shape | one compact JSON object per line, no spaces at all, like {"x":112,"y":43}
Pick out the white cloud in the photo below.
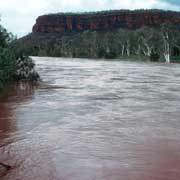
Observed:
{"x":19,"y":15}
{"x":142,"y":4}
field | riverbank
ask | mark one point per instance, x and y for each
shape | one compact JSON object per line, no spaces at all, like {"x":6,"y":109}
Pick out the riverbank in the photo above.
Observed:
{"x":19,"y":69}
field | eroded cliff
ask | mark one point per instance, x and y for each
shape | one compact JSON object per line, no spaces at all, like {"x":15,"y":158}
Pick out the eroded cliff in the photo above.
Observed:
{"x":60,"y":23}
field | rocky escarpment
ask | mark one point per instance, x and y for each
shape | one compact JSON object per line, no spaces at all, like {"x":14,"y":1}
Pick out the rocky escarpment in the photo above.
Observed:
{"x":60,"y":23}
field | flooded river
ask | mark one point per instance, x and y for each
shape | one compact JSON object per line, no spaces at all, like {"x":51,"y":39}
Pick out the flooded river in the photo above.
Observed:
{"x":92,"y":120}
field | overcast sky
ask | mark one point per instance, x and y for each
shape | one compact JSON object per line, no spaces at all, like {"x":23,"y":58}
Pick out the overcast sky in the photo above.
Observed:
{"x":18,"y":16}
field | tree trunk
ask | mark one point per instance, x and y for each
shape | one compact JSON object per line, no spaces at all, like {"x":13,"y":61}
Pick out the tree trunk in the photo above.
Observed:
{"x":167,"y":48}
{"x":128,"y":48}
{"x":122,"y":51}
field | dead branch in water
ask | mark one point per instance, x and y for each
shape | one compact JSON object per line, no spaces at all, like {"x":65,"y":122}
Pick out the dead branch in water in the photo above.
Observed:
{"x":7,"y":167}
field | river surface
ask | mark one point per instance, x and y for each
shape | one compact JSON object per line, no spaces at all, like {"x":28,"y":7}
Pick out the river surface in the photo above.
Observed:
{"x":92,"y":120}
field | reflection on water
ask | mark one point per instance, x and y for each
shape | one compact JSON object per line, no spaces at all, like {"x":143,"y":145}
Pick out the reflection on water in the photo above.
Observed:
{"x":5,"y":118}
{"x":93,"y":120}
{"x":14,"y":94}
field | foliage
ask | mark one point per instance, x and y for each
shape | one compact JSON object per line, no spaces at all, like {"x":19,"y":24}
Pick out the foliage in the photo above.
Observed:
{"x":9,"y":59}
{"x":7,"y":65}
{"x":155,"y":44}
{"x":24,"y":69}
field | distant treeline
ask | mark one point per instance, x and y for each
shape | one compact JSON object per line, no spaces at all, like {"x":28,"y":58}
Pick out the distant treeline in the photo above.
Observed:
{"x":108,"y":12}
{"x":156,"y":44}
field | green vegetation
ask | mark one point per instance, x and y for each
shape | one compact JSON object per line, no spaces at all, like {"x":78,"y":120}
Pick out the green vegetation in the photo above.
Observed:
{"x":156,"y":44}
{"x":7,"y":58}
{"x":7,"y":65}
{"x":112,"y":12}
{"x":10,"y":60}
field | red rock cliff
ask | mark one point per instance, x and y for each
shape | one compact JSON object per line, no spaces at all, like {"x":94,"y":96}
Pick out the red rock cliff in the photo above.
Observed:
{"x":60,"y":23}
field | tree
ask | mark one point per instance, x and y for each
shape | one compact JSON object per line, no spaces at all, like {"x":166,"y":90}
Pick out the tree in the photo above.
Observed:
{"x":145,"y":41}
{"x":169,"y":40}
{"x":10,"y":58}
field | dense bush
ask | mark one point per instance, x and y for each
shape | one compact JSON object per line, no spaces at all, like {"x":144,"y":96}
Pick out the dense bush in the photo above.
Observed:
{"x":7,"y":66}
{"x":10,"y":60}
{"x":24,"y":69}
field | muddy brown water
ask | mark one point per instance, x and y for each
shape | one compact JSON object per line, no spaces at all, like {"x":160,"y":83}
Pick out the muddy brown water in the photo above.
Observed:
{"x":92,"y":120}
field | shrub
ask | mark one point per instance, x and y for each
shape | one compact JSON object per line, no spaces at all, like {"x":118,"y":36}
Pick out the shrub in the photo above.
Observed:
{"x":7,"y":65}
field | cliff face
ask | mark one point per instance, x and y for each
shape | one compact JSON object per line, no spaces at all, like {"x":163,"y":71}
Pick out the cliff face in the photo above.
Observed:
{"x":60,"y":23}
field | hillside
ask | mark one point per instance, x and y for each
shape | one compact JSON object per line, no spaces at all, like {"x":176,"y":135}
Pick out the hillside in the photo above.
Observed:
{"x":144,"y":34}
{"x":60,"y":23}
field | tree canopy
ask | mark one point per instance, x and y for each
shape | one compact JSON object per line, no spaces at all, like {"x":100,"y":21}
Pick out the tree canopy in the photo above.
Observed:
{"x":158,"y":44}
{"x":11,"y":58}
